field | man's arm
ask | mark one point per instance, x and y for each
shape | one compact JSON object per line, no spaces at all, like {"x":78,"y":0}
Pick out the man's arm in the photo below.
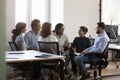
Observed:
{"x":101,"y":46}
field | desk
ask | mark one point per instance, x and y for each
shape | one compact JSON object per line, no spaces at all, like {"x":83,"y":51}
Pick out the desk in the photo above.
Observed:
{"x":114,"y":47}
{"x":29,"y":56}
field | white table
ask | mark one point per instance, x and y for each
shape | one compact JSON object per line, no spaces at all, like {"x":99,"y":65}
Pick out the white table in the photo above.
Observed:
{"x":29,"y":56}
{"x":114,"y":47}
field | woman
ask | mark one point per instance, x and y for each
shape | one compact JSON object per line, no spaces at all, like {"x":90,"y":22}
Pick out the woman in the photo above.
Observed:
{"x":18,"y":35}
{"x":61,"y":37}
{"x":45,"y":34}
{"x":79,"y":44}
{"x":63,"y":43}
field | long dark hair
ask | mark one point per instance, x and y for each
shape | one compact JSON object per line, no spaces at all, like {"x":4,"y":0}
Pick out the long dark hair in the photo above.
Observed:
{"x":18,"y":29}
{"x":46,"y":30}
{"x":57,"y":27}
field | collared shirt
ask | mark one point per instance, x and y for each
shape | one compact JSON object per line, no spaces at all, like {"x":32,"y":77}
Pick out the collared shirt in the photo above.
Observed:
{"x":100,"y":43}
{"x":80,"y":43}
{"x":63,"y":40}
{"x":31,"y":39}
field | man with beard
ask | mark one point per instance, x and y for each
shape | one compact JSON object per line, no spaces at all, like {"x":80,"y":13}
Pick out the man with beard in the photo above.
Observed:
{"x":100,"y":44}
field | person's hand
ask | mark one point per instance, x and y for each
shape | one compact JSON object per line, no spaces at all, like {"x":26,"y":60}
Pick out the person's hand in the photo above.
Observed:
{"x":66,"y":47}
{"x":32,"y":48}
{"x":85,"y":52}
{"x":74,"y":50}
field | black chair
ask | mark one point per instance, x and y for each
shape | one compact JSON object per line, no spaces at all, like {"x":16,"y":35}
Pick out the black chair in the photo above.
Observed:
{"x":92,"y":41}
{"x":24,"y":67}
{"x":98,"y":64}
{"x":13,"y":46}
{"x":51,"y":48}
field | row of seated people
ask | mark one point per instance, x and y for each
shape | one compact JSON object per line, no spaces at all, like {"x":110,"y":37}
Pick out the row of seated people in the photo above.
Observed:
{"x":80,"y":44}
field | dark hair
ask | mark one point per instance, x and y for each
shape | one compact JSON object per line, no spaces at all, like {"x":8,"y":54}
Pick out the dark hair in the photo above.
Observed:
{"x":46,"y":30}
{"x":85,"y":29}
{"x":101,"y":25}
{"x":17,"y":31}
{"x":57,"y":27}
{"x":34,"y":23}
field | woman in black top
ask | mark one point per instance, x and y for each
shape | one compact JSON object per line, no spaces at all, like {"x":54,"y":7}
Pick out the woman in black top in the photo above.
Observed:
{"x":79,"y":44}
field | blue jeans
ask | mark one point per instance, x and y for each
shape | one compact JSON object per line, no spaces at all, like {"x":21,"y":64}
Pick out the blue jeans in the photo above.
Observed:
{"x":80,"y":62}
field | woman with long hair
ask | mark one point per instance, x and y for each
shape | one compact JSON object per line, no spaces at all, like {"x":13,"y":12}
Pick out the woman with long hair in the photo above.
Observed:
{"x":18,"y":37}
{"x":46,"y":33}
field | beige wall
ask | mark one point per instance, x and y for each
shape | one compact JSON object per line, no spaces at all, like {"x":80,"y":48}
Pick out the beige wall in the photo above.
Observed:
{"x":80,"y":12}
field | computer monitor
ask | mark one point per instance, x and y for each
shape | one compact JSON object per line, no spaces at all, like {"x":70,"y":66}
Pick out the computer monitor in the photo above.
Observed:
{"x":112,"y":32}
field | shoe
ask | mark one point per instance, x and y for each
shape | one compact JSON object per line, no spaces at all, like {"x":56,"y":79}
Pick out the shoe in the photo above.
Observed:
{"x":86,"y":77}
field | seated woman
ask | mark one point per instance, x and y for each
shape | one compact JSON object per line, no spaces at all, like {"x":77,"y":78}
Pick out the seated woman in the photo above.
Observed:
{"x":45,"y":36}
{"x":79,"y":44}
{"x":18,"y":37}
{"x":61,"y":37}
{"x":63,"y":43}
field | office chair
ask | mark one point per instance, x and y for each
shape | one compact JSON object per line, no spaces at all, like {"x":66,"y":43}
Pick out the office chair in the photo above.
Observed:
{"x":98,"y":64}
{"x":51,"y":48}
{"x":92,"y":41}
{"x":18,"y":66}
{"x":13,"y":46}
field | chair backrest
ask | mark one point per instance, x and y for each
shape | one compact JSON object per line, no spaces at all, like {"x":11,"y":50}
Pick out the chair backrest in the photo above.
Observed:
{"x":13,"y":46}
{"x":105,"y":52}
{"x":49,"y":47}
{"x":92,"y":41}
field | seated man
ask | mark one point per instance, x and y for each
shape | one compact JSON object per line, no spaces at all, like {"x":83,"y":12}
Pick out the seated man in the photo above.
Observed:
{"x":31,"y":37}
{"x":79,"y":44}
{"x":31,"y":40}
{"x":99,"y":45}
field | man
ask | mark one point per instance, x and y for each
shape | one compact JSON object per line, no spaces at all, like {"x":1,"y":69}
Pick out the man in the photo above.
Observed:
{"x":31,"y":37}
{"x":31,"y":40}
{"x":99,"y":45}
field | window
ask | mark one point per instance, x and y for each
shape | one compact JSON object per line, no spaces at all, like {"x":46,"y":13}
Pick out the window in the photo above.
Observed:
{"x":20,"y":11}
{"x":39,"y":10}
{"x":111,"y":12}
{"x":45,"y":10}
{"x":56,"y":14}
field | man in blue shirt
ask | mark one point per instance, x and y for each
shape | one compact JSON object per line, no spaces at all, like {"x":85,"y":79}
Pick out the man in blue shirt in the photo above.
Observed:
{"x":100,"y":44}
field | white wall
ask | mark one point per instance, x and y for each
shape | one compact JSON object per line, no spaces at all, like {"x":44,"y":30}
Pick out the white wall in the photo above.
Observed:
{"x":80,"y":12}
{"x":10,"y":18}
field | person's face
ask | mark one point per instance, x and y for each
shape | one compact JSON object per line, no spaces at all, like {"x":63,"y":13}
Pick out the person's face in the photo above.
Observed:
{"x":99,"y":30}
{"x":61,"y":30}
{"x":81,"y":32}
{"x":24,"y":30}
{"x":37,"y":27}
